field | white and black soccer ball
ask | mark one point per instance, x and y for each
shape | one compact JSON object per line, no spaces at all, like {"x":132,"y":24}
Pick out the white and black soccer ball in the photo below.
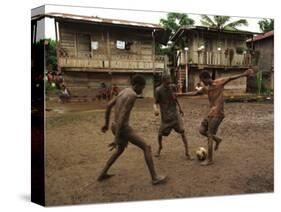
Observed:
{"x":201,"y":153}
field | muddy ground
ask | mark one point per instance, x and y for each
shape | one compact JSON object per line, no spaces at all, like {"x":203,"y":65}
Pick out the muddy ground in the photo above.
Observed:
{"x":76,"y":151}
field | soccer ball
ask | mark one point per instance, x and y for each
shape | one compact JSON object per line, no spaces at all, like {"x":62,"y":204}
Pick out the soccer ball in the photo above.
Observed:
{"x":201,"y":153}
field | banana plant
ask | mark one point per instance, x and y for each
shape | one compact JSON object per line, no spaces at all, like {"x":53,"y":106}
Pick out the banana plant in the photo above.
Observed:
{"x":259,"y":81}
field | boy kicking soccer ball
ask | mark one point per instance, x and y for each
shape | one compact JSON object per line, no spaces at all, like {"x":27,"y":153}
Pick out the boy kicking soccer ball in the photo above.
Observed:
{"x":211,"y":123}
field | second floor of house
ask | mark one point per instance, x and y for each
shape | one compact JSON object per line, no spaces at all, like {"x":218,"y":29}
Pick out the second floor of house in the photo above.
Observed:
{"x":108,"y":46}
{"x":202,"y":46}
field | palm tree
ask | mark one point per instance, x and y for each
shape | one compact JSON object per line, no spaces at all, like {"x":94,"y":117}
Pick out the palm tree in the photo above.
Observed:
{"x":172,"y":23}
{"x":222,"y":22}
{"x":176,"y":20}
{"x":266,"y":25}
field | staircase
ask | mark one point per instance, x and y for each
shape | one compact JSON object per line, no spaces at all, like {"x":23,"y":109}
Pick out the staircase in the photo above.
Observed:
{"x":181,"y":79}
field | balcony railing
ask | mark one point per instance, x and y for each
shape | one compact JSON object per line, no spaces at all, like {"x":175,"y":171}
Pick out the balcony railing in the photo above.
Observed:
{"x":216,"y":58}
{"x":114,"y":62}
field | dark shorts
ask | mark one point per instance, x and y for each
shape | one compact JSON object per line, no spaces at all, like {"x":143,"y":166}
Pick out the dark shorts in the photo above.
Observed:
{"x":167,"y":127}
{"x":211,"y":124}
{"x":125,"y":135}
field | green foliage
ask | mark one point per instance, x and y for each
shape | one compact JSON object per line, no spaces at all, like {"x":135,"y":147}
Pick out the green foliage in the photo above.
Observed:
{"x":259,"y":81}
{"x":50,"y":89}
{"x":239,"y":50}
{"x":267,"y":91}
{"x":162,"y":51}
{"x":51,"y":63}
{"x":266,"y":25}
{"x":51,"y":54}
{"x":262,"y":89}
{"x":242,"y":49}
{"x":173,"y":22}
{"x":176,"y":20}
{"x":222,"y":22}
{"x":255,"y":57}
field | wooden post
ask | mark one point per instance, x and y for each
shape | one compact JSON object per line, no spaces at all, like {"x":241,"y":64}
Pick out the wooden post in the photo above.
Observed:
{"x":35,"y":31}
{"x":32,"y":31}
{"x":56,"y":31}
{"x":57,"y":46}
{"x":251,"y":58}
{"x":153,"y":52}
{"x":57,"y":50}
{"x":91,"y":46}
{"x":108,"y":49}
{"x":186,"y":71}
{"x":226,"y":47}
{"x":76,"y":44}
{"x":166,"y":62}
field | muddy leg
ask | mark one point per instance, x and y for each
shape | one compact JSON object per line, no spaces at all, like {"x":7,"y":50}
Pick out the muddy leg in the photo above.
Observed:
{"x":209,"y":159}
{"x":136,"y":140}
{"x":217,"y":139}
{"x":185,"y":143}
{"x":109,"y":163}
{"x":159,"y":146}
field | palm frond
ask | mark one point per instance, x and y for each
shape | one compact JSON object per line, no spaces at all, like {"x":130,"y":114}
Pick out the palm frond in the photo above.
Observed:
{"x":266,"y":25}
{"x":207,"y":21}
{"x":221,"y":20}
{"x":235,"y":24}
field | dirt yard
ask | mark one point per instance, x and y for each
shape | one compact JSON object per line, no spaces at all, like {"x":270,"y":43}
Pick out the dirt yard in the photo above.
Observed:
{"x":76,"y":151}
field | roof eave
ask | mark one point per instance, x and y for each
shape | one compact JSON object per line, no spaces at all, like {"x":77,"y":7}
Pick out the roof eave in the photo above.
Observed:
{"x":179,"y":32}
{"x":129,"y":25}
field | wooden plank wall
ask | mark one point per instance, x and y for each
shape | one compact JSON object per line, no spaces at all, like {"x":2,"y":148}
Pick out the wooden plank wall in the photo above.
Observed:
{"x":211,"y":55}
{"x":87,"y":84}
{"x":76,"y":48}
{"x":76,"y":39}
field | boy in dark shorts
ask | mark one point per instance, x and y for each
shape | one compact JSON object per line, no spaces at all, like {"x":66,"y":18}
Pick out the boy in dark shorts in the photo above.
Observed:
{"x":211,"y":123}
{"x":123,"y":132}
{"x":171,"y":112}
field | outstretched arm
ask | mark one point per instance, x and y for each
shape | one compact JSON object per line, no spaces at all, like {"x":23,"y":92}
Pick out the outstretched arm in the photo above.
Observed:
{"x":199,"y":90}
{"x":192,"y":93}
{"x":107,"y":114}
{"x":248,"y":72}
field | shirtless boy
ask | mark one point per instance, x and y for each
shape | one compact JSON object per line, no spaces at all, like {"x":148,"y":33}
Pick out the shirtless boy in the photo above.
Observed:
{"x":171,"y":113}
{"x":211,"y":123}
{"x":123,"y":132}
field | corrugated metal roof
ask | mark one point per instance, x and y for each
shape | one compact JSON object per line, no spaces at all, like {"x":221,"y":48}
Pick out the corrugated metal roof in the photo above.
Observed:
{"x":261,"y":37}
{"x":181,"y":30}
{"x":96,"y":19}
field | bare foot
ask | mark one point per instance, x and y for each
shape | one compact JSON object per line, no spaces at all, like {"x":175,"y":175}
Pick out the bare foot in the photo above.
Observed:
{"x":206,"y":163}
{"x":217,"y":144}
{"x":159,"y":180}
{"x":105,"y":176}
{"x":189,"y":157}
{"x":157,"y":155}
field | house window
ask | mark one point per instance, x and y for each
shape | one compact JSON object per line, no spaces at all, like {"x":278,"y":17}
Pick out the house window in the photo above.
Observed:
{"x":83,"y":45}
{"x":123,"y":44}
